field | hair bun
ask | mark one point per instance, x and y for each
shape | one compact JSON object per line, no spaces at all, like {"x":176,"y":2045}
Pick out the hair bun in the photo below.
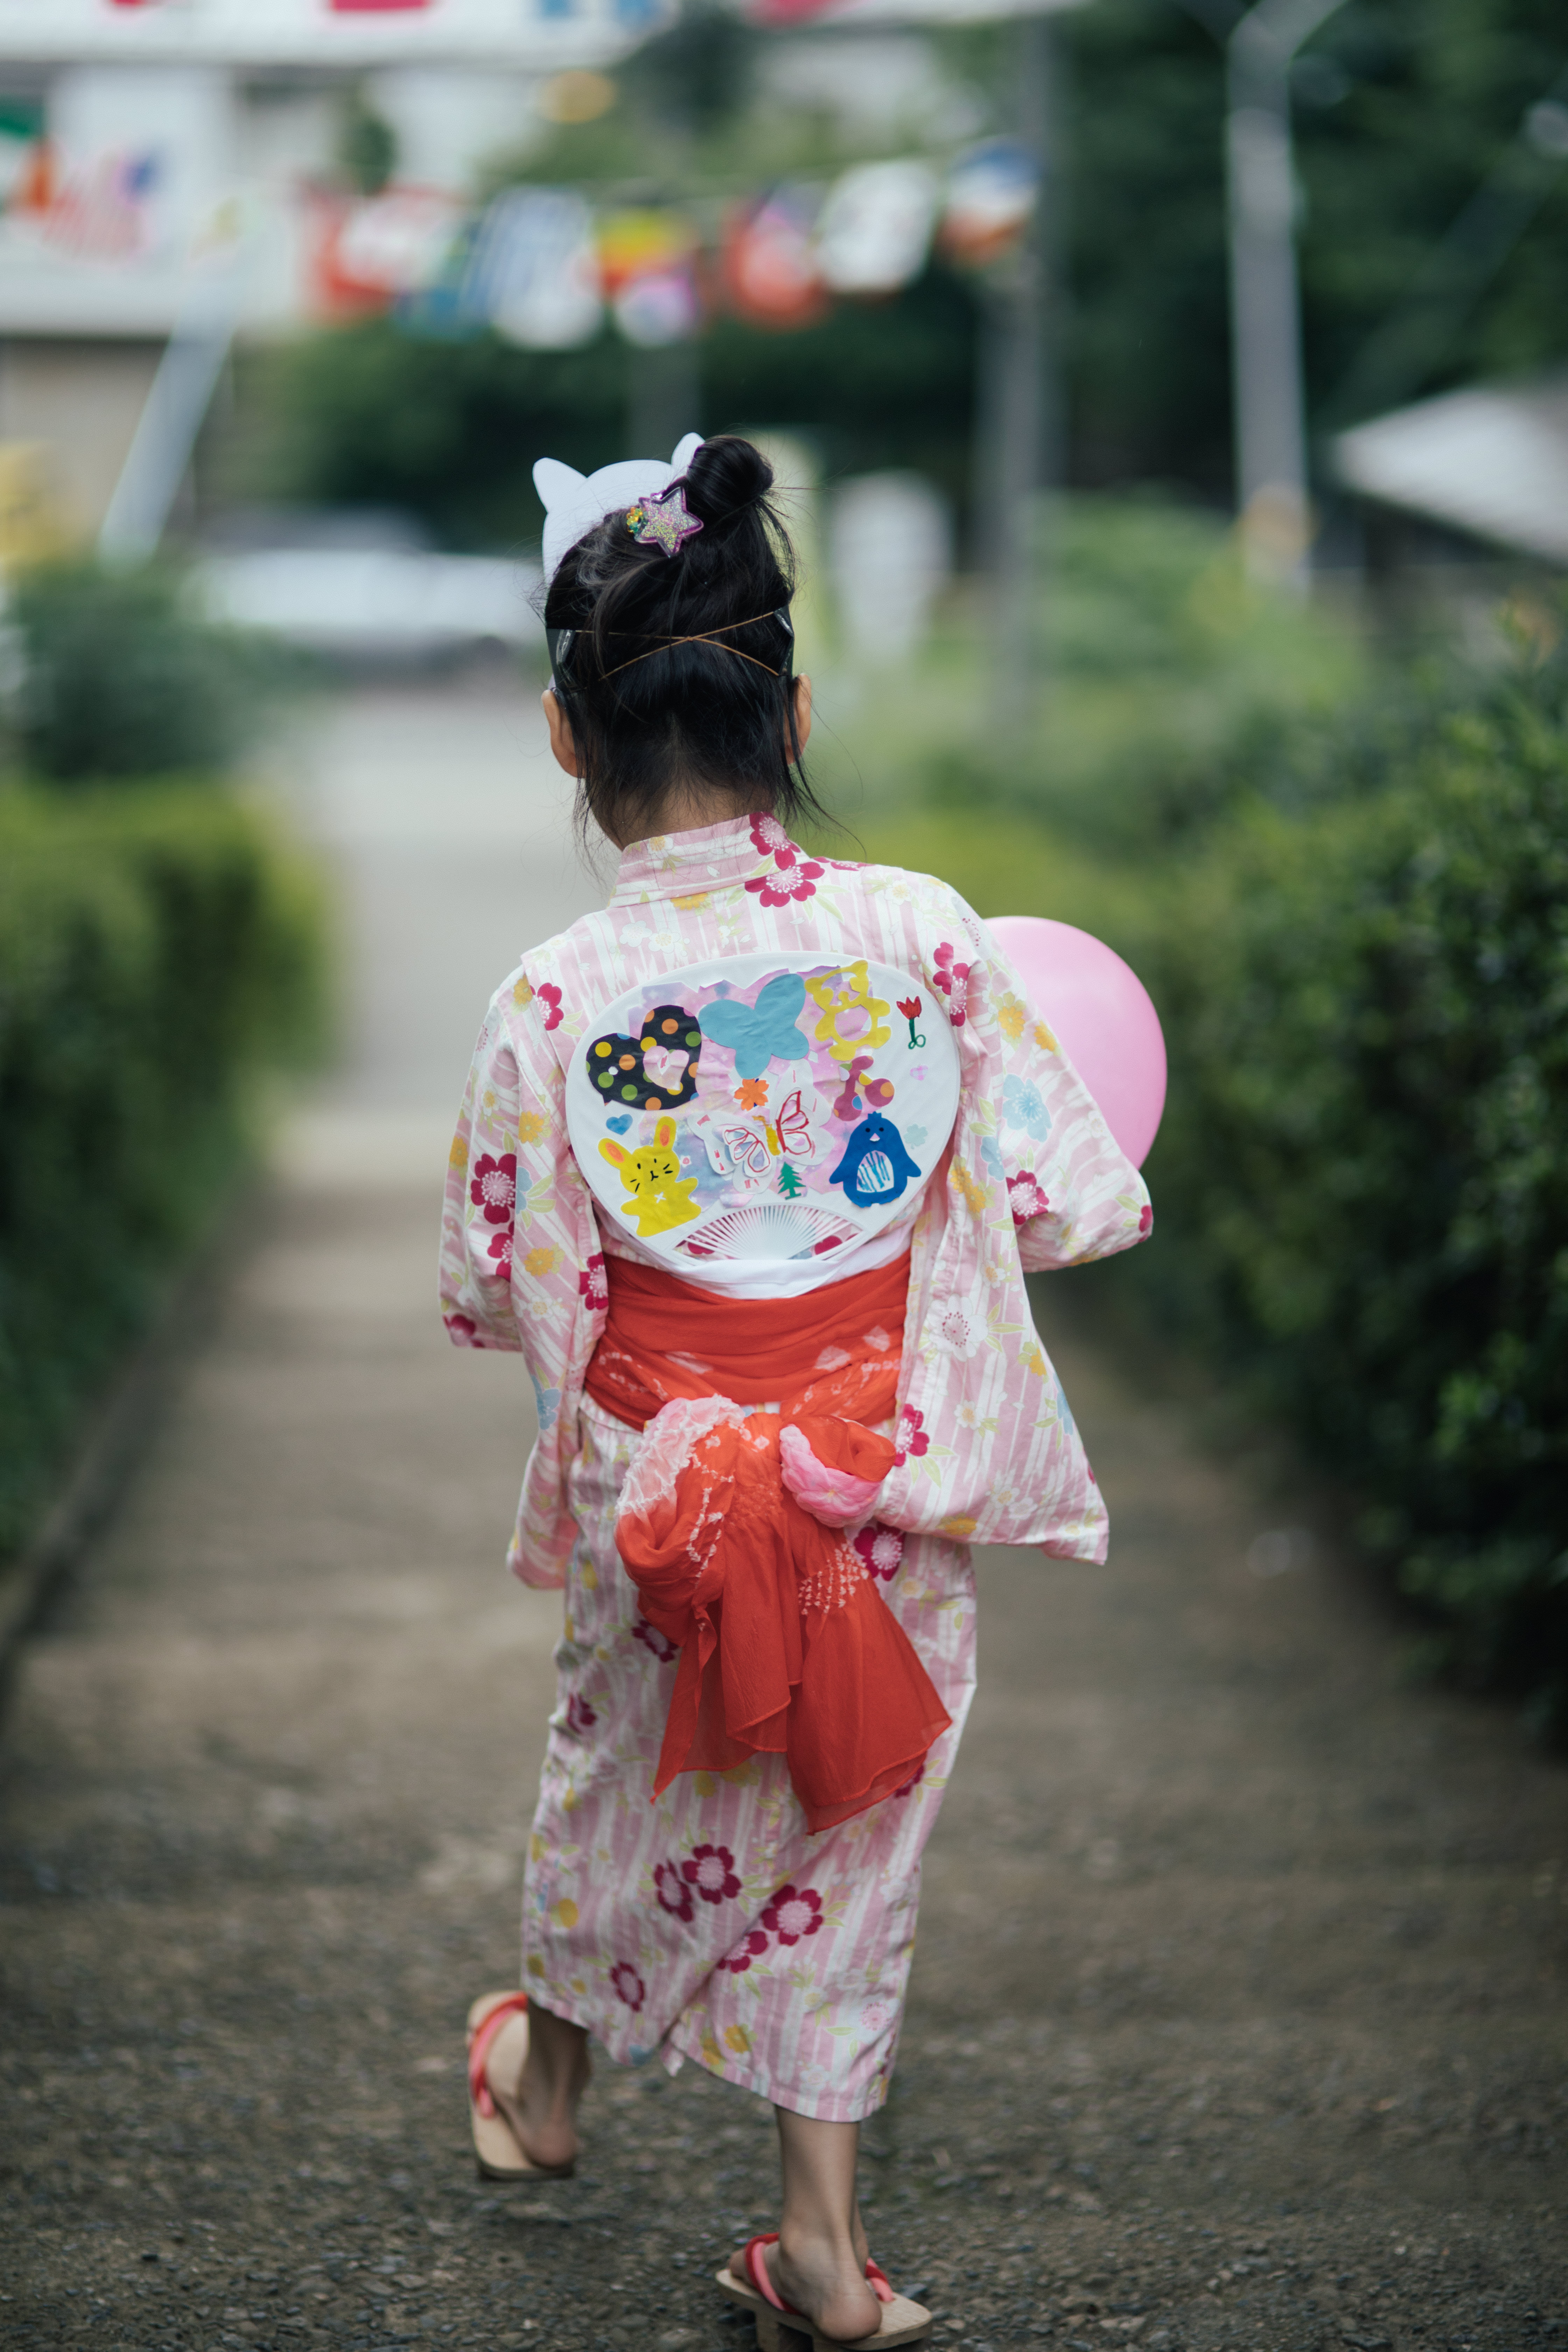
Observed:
{"x":726,"y":476}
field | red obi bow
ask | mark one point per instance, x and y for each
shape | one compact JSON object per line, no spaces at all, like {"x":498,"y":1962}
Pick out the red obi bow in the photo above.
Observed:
{"x":732,"y":1529}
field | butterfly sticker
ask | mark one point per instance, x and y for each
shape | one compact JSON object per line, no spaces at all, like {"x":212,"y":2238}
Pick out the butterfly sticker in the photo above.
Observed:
{"x":752,"y":1148}
{"x":761,"y":1033}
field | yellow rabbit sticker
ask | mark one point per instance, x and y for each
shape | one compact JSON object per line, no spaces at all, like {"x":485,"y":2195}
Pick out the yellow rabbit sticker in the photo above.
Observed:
{"x":659,"y":1196}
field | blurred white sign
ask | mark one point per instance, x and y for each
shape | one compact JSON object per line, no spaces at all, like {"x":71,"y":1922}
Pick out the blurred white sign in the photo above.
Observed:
{"x":875,"y":230}
{"x":534,"y":272}
{"x":890,"y":551}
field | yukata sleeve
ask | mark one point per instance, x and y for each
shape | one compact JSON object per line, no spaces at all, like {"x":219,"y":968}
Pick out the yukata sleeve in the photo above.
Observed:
{"x":502,"y":1256}
{"x":1073,"y":1192}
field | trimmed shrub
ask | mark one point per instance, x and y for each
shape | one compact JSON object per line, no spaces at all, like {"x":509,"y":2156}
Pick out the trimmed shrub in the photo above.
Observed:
{"x":1361,"y":1186}
{"x":159,"y":951}
{"x":117,"y":674}
{"x":1362,"y":1173}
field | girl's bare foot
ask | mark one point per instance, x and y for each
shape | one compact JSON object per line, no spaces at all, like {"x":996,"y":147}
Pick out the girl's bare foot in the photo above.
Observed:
{"x":819,"y":2263}
{"x":540,"y":2102}
{"x":814,"y":2278}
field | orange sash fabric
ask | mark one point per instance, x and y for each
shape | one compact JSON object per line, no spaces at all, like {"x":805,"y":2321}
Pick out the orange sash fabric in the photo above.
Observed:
{"x":756,"y":1459}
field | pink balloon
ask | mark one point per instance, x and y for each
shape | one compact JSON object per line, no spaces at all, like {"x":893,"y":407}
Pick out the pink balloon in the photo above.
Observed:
{"x":1101,"y":1013}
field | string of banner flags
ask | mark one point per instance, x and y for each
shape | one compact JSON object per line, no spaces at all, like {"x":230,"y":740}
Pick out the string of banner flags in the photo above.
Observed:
{"x":543,"y":265}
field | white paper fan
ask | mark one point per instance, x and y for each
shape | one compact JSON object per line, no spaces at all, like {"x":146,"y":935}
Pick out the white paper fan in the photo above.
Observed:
{"x":771,"y":1229}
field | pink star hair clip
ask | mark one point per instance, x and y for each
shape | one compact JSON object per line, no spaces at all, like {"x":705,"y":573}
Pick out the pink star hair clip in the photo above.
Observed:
{"x":664,"y":521}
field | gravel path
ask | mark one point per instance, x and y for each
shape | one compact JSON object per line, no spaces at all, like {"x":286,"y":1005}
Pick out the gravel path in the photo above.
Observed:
{"x":1237,"y":2018}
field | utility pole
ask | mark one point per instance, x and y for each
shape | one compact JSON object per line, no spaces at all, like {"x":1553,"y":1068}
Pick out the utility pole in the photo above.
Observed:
{"x":1018,"y":403}
{"x":1265,"y":295}
{"x":176,"y":403}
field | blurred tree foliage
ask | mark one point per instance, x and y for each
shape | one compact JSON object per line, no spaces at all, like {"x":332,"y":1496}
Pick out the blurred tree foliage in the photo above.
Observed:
{"x":1172,"y":691}
{"x":1403,"y":109}
{"x":117,"y":673}
{"x":370,"y":415}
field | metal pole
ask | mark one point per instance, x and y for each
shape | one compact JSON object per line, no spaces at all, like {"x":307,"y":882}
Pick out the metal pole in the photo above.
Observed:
{"x":172,"y":415}
{"x":1266,"y":309}
{"x":1019,"y":321}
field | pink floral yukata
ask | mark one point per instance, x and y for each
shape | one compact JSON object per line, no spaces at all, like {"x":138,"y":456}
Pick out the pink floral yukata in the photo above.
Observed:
{"x":710,"y":1924}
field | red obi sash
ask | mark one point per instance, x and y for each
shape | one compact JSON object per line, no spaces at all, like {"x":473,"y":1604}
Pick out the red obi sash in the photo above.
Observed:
{"x":756,"y":1458}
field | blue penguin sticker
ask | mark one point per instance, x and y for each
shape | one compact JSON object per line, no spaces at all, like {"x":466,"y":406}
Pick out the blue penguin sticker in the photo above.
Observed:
{"x":875,"y":1167}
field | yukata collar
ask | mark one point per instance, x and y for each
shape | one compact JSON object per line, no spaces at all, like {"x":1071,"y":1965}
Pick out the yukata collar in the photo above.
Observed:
{"x":672,"y":864}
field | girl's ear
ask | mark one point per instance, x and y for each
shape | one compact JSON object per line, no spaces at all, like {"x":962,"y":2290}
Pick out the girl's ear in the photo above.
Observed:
{"x":802,"y":712}
{"x":664,"y":1134}
{"x":563,"y":743}
{"x":616,"y":1153}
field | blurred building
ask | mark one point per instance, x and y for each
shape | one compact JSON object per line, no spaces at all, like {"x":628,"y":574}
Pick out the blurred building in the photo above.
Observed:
{"x":1470,"y":475}
{"x":157,"y":155}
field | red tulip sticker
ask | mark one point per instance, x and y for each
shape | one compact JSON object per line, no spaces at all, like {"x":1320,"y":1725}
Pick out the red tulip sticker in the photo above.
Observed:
{"x":909,"y":1006}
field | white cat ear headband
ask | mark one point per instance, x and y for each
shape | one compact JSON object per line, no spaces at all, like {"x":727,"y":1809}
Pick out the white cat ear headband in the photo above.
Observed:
{"x":575,"y":504}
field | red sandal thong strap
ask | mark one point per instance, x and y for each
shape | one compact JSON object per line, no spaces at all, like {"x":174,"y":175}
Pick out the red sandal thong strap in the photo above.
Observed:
{"x":756,"y":2263}
{"x":479,"y":2049}
{"x":878,"y":2281}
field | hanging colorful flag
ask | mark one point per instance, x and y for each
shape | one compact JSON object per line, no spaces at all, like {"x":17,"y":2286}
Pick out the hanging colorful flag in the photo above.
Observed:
{"x":875,"y":230}
{"x":369,"y":253}
{"x":768,"y":265}
{"x":647,"y":266}
{"x":991,"y":195}
{"x":534,"y":272}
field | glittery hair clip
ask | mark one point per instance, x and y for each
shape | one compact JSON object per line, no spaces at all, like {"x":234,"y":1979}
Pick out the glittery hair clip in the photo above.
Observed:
{"x":664,"y":521}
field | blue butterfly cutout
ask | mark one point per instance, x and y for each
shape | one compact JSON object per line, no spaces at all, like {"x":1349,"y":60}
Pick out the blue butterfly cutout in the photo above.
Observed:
{"x":620,"y":1124}
{"x":761,"y":1033}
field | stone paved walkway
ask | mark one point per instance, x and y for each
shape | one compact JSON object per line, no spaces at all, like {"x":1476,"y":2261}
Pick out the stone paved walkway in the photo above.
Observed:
{"x":1237,"y":2018}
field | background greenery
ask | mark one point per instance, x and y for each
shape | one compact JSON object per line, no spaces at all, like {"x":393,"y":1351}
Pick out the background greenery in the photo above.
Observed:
{"x":115,"y":673}
{"x":1403,"y":109}
{"x":159,"y":953}
{"x":1346,"y":886}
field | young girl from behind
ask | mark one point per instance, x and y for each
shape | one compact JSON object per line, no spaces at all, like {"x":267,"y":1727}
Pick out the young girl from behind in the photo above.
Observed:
{"x":750,"y":1168}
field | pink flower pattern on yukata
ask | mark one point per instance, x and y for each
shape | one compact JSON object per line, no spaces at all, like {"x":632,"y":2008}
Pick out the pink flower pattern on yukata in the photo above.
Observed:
{"x":952,"y":979}
{"x":778,"y":890}
{"x":1025,"y":1199}
{"x":664,"y":1650}
{"x":629,"y":1986}
{"x":500,"y":1248}
{"x":674,"y":1894}
{"x":1145,"y":1218}
{"x":593,"y":1287}
{"x":492,"y":1187}
{"x":911,"y":1440}
{"x":795,"y":1912}
{"x":549,"y":996}
{"x":711,"y":1870}
{"x":739,"y":1958}
{"x":772,"y":841}
{"x":580,"y":1717}
{"x":880,"y":1547}
{"x":958,"y":1333}
{"x":464,"y":1330}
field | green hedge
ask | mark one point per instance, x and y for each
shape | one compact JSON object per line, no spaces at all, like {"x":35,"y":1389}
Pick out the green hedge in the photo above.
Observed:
{"x":1361,"y":1186}
{"x":119,"y":674}
{"x":159,"y":952}
{"x":1364,"y":1170}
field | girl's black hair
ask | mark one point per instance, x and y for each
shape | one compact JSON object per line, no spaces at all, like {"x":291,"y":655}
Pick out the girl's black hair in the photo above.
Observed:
{"x":649,"y":714}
